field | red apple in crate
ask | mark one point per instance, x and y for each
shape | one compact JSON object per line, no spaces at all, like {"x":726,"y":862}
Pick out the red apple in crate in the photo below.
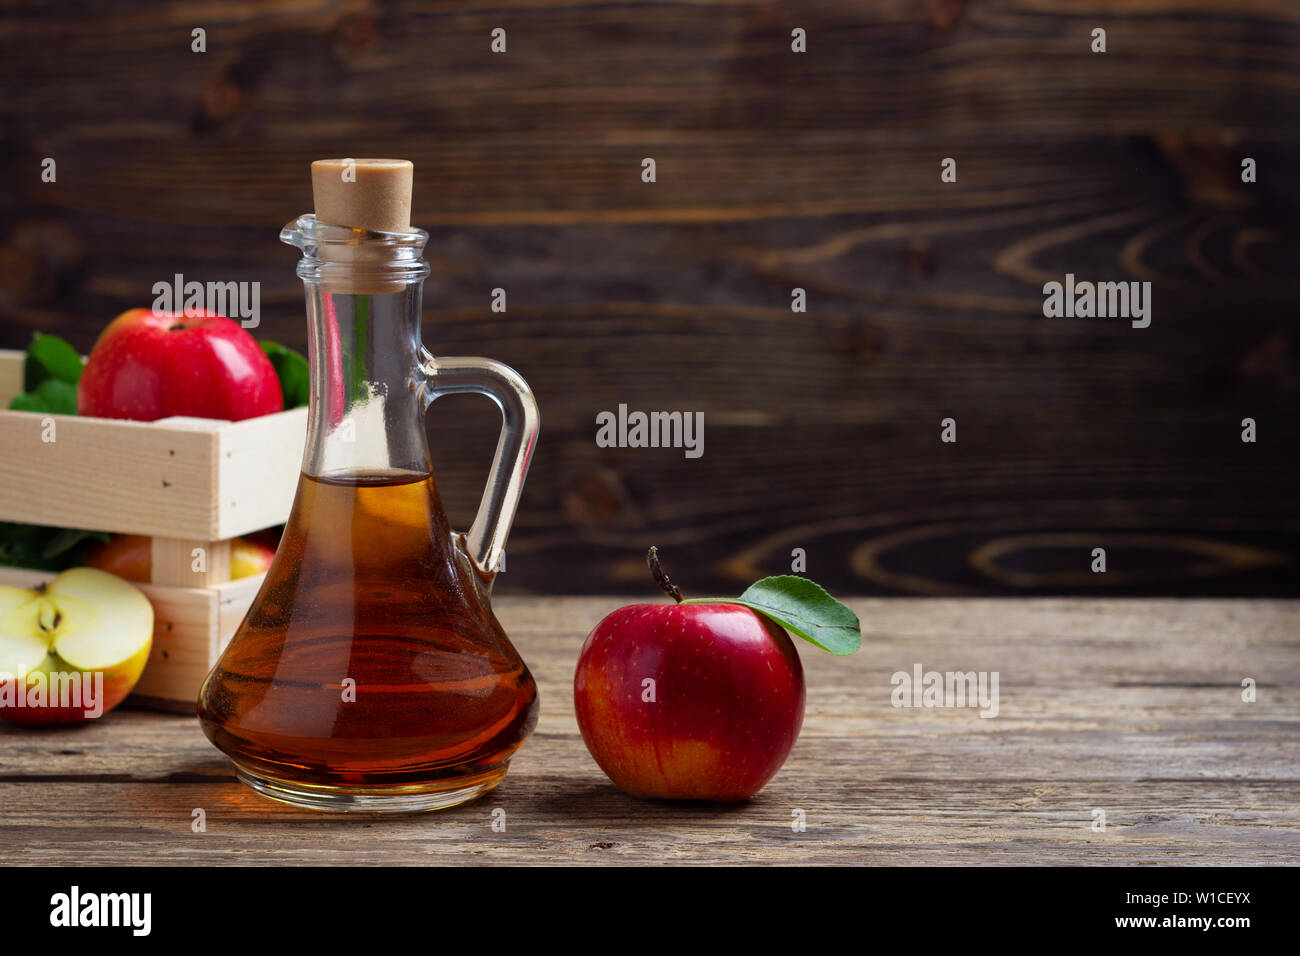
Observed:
{"x":80,"y":642}
{"x":146,"y":366}
{"x":130,"y":556}
{"x":702,"y":699}
{"x":248,"y":558}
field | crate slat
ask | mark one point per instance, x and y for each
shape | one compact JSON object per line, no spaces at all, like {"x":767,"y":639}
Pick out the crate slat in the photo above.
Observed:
{"x":134,"y":477}
{"x":172,"y":561}
{"x":11,"y":375}
{"x":178,"y":478}
{"x":258,"y":463}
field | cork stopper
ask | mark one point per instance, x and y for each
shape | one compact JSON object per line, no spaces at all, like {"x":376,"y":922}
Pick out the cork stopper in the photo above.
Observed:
{"x":363,"y":193}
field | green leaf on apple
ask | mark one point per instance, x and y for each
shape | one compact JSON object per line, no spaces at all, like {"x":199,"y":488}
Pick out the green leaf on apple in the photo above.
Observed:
{"x":291,"y":368}
{"x":802,"y":607}
{"x":50,"y":358}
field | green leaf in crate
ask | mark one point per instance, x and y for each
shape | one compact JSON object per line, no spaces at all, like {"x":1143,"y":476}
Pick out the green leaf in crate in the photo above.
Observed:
{"x":51,"y":396}
{"x":59,"y":397}
{"x":49,"y":357}
{"x":65,"y":540}
{"x":21,"y":545}
{"x":291,"y":368}
{"x":42,"y":548}
{"x":27,"y":402}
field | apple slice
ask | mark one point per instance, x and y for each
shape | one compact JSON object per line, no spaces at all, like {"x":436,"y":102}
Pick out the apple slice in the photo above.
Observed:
{"x":104,"y":622}
{"x":21,"y":648}
{"x":85,"y":621}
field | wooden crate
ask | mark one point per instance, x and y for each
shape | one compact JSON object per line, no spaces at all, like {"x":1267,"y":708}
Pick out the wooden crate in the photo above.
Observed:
{"x":186,"y":482}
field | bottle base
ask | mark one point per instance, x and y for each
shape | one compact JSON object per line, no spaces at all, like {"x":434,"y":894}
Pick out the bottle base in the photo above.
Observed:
{"x":415,"y":798}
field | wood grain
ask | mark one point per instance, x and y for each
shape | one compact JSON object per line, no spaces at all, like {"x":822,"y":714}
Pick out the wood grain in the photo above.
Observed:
{"x":775,"y":171}
{"x":193,"y":477}
{"x":1129,"y":706}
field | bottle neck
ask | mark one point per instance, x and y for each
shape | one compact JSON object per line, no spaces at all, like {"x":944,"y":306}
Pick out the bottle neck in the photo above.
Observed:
{"x":363,"y":310}
{"x":365,"y":413}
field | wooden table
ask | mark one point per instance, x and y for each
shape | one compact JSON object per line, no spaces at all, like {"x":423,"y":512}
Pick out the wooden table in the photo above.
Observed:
{"x":1131,"y":707}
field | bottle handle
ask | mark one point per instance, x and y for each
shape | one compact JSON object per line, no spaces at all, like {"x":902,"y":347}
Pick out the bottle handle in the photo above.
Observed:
{"x":485,"y":541}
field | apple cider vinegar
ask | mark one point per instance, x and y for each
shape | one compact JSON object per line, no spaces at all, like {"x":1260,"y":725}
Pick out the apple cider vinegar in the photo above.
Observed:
{"x":370,"y":658}
{"x":370,"y":673}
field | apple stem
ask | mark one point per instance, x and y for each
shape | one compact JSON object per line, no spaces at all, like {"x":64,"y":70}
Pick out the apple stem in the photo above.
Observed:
{"x":672,"y":590}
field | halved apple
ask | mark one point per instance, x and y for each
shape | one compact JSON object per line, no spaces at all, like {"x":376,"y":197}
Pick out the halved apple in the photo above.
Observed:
{"x":85,"y":622}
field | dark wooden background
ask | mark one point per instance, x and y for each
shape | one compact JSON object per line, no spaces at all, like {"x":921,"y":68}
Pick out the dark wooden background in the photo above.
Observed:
{"x":775,"y":170}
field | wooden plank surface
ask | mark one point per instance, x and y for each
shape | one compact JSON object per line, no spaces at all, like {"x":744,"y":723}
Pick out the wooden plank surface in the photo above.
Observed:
{"x":1128,"y":706}
{"x":775,"y":171}
{"x":179,"y":476}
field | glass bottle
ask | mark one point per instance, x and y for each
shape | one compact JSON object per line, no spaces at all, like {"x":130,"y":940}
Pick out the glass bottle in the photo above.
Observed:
{"x":370,"y":672}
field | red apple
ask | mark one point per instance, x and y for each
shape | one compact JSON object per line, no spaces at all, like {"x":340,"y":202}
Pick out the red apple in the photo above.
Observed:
{"x":721,"y":715}
{"x":130,"y":557}
{"x":146,"y":366}
{"x":248,"y":558}
{"x":127,"y":556}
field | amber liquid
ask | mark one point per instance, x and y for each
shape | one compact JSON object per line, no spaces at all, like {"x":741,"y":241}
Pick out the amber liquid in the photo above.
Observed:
{"x":366,"y":585}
